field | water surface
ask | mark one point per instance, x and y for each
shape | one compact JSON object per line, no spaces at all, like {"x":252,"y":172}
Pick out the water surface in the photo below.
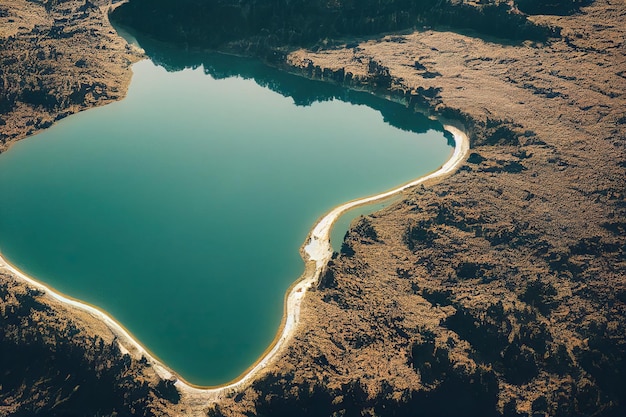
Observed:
{"x":180,"y":210}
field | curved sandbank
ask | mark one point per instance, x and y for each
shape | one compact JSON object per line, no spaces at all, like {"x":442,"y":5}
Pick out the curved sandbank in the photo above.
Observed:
{"x":316,"y":252}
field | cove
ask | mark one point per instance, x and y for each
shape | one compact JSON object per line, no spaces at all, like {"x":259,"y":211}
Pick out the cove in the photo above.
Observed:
{"x":180,"y":209}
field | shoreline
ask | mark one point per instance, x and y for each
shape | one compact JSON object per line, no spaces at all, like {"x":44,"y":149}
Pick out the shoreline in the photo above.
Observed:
{"x":315,"y":252}
{"x":540,"y":202}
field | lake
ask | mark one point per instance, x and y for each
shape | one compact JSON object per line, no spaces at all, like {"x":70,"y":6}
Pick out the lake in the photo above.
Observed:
{"x":180,"y":210}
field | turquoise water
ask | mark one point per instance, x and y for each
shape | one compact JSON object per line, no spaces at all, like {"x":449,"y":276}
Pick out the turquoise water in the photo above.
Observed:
{"x":180,"y":210}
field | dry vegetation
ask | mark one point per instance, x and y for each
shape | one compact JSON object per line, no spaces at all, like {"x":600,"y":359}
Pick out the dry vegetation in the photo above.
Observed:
{"x":503,"y":287}
{"x":501,"y":291}
{"x":57,"y":58}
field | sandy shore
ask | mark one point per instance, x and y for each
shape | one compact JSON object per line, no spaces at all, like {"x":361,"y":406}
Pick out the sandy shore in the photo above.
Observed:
{"x":316,"y":252}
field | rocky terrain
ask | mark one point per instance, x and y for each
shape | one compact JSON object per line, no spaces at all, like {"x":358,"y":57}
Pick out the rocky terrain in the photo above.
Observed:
{"x":57,"y":57}
{"x":502,"y":288}
{"x":501,"y":291}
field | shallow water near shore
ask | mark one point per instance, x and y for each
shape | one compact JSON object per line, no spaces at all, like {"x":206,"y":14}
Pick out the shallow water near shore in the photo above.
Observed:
{"x":180,"y":210}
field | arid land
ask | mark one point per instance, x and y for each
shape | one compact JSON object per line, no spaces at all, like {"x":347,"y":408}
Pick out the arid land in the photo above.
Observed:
{"x":500,"y":291}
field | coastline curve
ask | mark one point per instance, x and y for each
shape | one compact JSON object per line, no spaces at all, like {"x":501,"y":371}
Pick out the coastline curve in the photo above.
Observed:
{"x":315,"y":252}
